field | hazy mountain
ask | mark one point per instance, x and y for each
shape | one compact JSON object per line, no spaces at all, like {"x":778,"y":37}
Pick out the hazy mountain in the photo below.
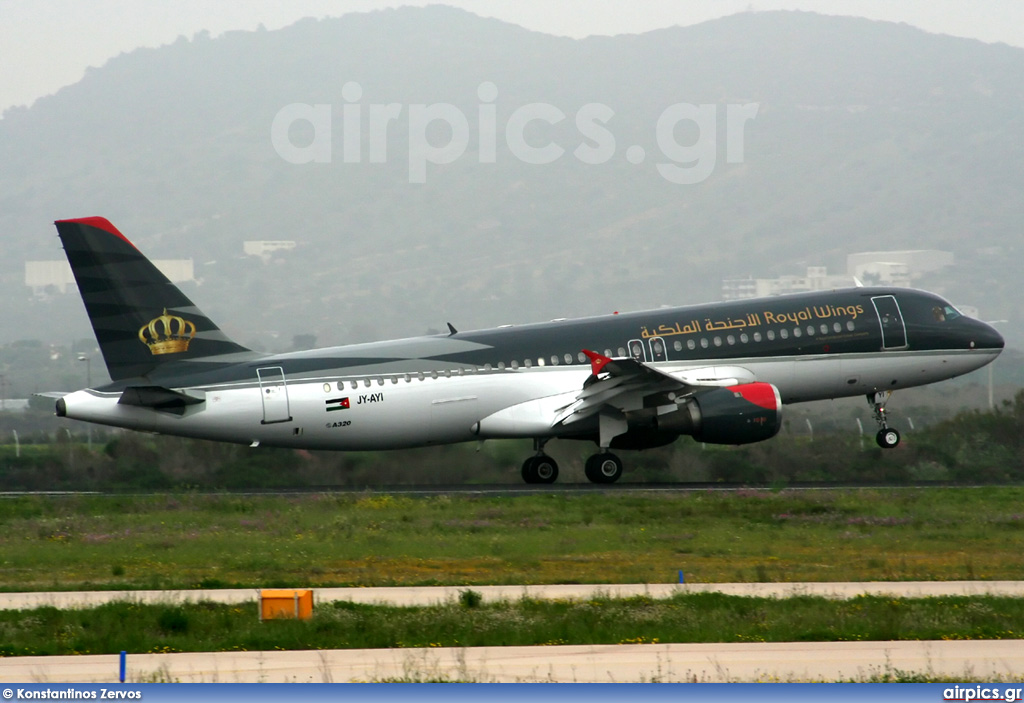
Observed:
{"x":867,"y":136}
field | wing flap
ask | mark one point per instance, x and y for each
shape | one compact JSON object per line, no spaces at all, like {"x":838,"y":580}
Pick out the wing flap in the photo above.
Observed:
{"x":624,"y":383}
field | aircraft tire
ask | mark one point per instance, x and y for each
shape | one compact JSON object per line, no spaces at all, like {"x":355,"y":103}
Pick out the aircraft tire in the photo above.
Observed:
{"x":529,"y":470}
{"x":603,"y":468}
{"x":887,"y":438}
{"x":540,"y":469}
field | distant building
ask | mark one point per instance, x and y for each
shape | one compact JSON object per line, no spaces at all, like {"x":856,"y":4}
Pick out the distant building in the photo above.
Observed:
{"x":884,"y":268}
{"x":42,"y":275}
{"x":266,"y":248}
{"x":18,"y":405}
{"x":817,"y":278}
{"x":896,"y":268}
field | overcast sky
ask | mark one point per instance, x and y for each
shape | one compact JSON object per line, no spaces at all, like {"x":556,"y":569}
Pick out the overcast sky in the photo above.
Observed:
{"x":47,"y":44}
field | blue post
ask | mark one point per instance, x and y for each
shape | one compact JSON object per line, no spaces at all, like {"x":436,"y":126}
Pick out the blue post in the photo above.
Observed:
{"x":681,"y":579}
{"x":124,"y":654}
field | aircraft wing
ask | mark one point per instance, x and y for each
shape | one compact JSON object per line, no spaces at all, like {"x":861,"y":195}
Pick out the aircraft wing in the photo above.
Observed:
{"x":629,"y":384}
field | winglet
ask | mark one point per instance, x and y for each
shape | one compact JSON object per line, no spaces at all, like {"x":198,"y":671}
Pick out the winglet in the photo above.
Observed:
{"x":597,"y":361}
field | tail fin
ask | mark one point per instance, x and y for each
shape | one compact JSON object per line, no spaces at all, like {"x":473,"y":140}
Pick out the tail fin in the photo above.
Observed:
{"x":141,"y":320}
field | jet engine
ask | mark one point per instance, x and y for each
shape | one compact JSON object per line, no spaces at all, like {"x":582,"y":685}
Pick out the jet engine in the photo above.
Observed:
{"x":741,"y":414}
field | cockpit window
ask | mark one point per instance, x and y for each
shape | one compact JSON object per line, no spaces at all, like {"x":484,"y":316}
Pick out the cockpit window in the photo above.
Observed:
{"x":944,"y":313}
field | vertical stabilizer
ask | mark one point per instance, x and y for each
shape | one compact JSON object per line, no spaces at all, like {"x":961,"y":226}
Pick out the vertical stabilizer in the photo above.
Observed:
{"x":141,"y":320}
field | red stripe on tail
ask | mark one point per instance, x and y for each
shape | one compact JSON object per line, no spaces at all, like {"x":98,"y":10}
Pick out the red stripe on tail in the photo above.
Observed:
{"x":101,"y":223}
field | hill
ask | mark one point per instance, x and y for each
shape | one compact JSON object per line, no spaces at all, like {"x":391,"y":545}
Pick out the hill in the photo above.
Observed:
{"x":845,"y":135}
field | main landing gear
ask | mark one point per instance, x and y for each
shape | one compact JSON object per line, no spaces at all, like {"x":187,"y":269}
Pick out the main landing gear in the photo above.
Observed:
{"x":887,"y":437}
{"x":540,"y":468}
{"x":603,"y":468}
{"x":600,"y":468}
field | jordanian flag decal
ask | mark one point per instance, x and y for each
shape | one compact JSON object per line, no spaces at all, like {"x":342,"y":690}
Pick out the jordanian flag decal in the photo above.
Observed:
{"x":337,"y":404}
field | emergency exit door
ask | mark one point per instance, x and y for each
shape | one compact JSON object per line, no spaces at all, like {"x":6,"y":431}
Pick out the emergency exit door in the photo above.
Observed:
{"x":274,"y":392}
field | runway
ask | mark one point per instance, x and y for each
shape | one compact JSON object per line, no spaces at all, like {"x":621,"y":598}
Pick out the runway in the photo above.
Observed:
{"x":786,"y":661}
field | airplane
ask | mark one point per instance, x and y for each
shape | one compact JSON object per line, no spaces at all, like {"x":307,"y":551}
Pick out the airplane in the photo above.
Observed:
{"x":719,"y":373}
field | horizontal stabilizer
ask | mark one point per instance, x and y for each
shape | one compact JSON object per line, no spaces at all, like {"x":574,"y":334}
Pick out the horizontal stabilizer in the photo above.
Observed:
{"x":158,"y":398}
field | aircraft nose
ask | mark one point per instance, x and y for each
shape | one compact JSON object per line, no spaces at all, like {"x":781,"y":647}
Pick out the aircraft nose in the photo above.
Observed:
{"x":985,"y":336}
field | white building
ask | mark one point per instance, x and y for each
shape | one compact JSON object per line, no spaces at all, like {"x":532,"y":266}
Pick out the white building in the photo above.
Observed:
{"x":817,"y":278}
{"x":896,"y":268}
{"x":266,"y":248}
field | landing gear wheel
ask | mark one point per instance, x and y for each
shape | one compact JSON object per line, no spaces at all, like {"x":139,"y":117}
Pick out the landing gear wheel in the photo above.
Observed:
{"x":540,"y":469}
{"x":603,"y":468}
{"x":887,"y":438}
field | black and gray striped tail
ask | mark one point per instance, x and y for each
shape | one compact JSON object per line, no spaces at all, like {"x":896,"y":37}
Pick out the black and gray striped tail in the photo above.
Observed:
{"x":142,"y":321}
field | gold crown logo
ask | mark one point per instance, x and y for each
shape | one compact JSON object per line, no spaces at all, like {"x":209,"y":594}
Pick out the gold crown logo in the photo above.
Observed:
{"x":167,"y":334}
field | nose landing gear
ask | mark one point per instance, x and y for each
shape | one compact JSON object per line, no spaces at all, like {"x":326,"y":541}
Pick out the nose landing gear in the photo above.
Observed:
{"x":887,"y":437}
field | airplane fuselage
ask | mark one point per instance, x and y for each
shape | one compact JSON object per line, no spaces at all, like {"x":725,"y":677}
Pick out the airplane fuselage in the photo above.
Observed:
{"x":510,"y":381}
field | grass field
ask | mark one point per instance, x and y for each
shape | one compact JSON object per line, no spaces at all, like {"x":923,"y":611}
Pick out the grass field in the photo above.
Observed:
{"x":698,"y":617}
{"x":190,"y":540}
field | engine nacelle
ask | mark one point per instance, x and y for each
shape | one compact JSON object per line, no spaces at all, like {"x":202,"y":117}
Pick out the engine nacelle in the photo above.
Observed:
{"x":741,"y":414}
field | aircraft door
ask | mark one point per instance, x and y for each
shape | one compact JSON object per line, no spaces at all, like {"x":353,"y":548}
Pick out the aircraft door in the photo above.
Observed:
{"x":659,"y":352}
{"x":274,"y":392}
{"x":894,"y":332}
